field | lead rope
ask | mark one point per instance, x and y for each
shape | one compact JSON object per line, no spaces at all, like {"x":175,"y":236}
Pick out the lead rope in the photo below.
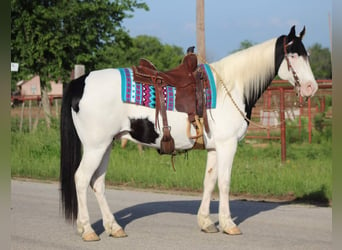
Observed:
{"x":233,"y":101}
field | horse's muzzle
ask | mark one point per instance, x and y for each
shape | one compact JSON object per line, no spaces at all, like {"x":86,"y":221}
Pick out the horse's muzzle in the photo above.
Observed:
{"x":308,"y":89}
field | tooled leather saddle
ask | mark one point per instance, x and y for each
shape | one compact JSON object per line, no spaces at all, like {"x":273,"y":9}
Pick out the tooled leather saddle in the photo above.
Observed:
{"x":189,"y":82}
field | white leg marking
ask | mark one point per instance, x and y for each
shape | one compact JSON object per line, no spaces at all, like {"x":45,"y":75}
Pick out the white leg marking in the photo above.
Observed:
{"x":91,"y":160}
{"x":225,"y":156}
{"x":98,"y":185}
{"x":203,"y":215}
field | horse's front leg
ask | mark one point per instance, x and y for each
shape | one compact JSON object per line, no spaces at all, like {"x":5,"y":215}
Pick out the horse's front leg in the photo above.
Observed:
{"x":98,"y":185}
{"x":203,"y":215}
{"x":225,"y":156}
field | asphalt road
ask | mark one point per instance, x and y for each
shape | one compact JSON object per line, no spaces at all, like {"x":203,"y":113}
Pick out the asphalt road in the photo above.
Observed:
{"x":164,"y":221}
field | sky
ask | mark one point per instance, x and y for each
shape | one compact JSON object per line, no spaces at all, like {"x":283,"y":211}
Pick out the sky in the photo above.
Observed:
{"x":228,"y":23}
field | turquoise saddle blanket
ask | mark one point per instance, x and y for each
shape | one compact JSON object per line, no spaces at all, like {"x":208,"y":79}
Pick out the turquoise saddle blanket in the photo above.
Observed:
{"x":144,"y":94}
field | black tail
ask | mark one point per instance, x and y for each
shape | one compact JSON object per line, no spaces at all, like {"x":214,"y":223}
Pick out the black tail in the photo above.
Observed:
{"x":70,"y":148}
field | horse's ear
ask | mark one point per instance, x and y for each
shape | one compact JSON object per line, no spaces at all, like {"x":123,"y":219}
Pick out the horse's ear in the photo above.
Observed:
{"x":302,"y":33}
{"x":292,"y":33}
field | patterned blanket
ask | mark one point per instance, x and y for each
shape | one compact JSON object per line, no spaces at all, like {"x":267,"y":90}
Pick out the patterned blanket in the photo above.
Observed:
{"x":144,"y":94}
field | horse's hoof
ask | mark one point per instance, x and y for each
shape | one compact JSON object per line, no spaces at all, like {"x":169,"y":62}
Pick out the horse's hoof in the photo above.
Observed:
{"x":210,"y":229}
{"x":232,"y":231}
{"x":92,"y":236}
{"x":119,"y":234}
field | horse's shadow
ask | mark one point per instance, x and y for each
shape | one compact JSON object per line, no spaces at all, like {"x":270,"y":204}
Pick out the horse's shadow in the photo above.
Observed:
{"x":240,"y":210}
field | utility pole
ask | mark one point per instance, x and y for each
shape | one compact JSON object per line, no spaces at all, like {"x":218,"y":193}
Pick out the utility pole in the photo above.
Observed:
{"x":330,"y":35}
{"x":200,"y":31}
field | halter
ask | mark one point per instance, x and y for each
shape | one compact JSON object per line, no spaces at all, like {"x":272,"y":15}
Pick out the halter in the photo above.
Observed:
{"x":289,"y":67}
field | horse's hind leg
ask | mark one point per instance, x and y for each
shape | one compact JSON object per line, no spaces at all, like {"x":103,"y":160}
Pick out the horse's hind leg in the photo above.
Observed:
{"x":98,"y":184}
{"x":203,"y":215}
{"x":91,"y":160}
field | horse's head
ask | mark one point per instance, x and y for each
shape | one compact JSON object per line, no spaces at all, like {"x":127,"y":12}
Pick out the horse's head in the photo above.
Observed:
{"x":295,"y":66}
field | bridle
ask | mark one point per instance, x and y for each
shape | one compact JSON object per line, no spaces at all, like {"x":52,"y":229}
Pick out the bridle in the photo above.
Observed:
{"x":220,"y":80}
{"x":289,"y":67}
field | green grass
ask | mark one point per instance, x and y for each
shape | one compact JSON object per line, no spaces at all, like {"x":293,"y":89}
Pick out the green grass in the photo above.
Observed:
{"x":257,"y":171}
{"x":307,"y":171}
{"x":35,"y":155}
{"x":151,"y":170}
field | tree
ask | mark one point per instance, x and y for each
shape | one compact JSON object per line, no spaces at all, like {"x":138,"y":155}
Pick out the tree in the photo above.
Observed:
{"x":320,"y":61}
{"x":49,"y":36}
{"x":163,"y":56}
{"x":245,"y":44}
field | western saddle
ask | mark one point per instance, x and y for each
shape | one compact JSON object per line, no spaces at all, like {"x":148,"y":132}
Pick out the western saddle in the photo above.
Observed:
{"x":188,"y":79}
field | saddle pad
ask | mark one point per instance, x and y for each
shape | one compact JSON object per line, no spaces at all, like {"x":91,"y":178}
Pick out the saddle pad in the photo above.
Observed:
{"x":144,"y":94}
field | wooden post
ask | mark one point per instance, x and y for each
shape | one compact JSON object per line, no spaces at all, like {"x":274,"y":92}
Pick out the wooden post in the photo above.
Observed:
{"x":30,"y":115}
{"x":56,"y":107}
{"x":46,"y":106}
{"x":200,"y":31}
{"x":35,"y":124}
{"x":79,"y":70}
{"x":22,"y":116}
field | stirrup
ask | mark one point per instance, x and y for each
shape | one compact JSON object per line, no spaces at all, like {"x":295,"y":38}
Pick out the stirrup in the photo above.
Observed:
{"x":199,"y":129}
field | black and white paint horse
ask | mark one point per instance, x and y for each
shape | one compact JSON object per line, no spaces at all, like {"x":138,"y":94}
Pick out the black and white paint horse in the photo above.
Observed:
{"x":93,"y":114}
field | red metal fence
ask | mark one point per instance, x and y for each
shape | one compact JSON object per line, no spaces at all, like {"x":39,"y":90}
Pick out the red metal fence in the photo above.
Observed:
{"x":278,"y":104}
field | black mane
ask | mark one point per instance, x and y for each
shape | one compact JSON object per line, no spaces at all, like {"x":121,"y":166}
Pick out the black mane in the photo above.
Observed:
{"x":294,"y":45}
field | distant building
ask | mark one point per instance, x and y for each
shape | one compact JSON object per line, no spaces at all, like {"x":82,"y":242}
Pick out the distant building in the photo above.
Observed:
{"x":56,"y":89}
{"x":31,"y":88}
